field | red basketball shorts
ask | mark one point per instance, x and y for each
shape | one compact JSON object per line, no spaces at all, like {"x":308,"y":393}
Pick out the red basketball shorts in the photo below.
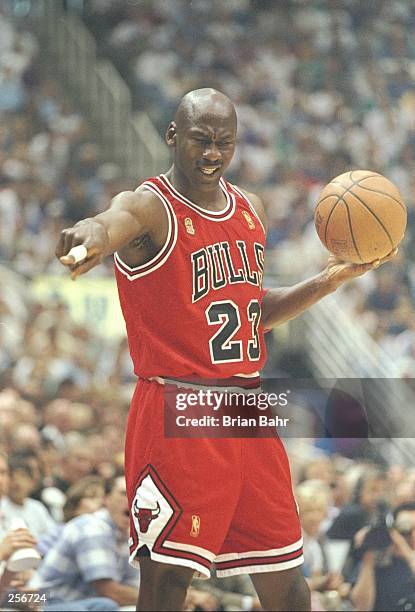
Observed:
{"x":195,"y":502}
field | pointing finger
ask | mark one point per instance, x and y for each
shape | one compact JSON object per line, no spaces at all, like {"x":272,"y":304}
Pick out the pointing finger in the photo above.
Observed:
{"x":77,"y":254}
{"x":84,"y":267}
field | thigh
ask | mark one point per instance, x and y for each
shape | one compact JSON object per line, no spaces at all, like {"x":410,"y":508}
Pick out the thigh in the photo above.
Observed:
{"x":162,"y":586}
{"x":182,"y":492}
{"x":286,"y":590}
{"x":265,"y":533}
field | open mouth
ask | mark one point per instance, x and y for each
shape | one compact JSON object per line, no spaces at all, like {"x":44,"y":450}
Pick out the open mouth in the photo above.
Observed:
{"x":209,"y":171}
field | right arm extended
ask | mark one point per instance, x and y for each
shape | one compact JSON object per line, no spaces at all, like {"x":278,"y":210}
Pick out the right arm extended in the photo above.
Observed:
{"x":130,"y":215}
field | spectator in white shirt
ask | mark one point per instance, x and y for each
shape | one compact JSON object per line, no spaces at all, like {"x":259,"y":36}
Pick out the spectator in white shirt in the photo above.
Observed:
{"x":18,"y":504}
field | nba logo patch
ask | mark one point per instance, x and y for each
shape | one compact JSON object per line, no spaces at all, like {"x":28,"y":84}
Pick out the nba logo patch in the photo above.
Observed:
{"x":188,"y":223}
{"x":194,"y":532}
{"x":248,"y":219}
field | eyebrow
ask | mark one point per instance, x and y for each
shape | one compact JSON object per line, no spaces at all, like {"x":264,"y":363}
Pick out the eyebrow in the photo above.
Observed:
{"x":201,"y":132}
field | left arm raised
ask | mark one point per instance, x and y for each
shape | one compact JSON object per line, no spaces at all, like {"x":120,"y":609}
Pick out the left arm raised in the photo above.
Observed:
{"x":285,"y":303}
{"x":281,"y":305}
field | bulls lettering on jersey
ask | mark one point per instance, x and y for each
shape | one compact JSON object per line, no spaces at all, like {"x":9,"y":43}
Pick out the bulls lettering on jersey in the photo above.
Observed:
{"x":195,"y":308}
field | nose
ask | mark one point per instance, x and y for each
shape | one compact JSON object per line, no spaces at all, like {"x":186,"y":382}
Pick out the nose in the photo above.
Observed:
{"x":212,"y":153}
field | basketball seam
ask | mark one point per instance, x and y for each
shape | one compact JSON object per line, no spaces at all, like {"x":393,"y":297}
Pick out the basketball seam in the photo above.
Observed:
{"x":339,"y":198}
{"x":363,"y":177}
{"x":385,"y":194}
{"x":346,"y":189}
{"x":351,"y":230}
{"x":375,"y":216}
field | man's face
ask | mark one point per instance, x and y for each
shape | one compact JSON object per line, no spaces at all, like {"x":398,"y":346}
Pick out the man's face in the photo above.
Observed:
{"x":77,"y":464}
{"x":373,"y":492}
{"x":21,"y":485}
{"x":312,"y":513}
{"x":92,"y":501}
{"x":203,"y":149}
{"x":117,"y":505}
{"x":4,"y":477}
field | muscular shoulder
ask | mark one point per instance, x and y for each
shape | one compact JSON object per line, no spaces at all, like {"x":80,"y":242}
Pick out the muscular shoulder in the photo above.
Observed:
{"x":258,"y":205}
{"x":142,"y":204}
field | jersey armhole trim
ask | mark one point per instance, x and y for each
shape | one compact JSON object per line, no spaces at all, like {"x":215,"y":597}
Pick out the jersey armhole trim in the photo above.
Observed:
{"x":158,"y":260}
{"x":251,"y":206}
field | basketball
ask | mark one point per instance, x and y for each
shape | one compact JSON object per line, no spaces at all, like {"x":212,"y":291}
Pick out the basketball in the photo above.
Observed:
{"x":360,"y":216}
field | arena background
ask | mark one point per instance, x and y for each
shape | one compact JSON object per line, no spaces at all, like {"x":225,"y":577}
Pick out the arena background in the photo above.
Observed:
{"x":86,"y":91}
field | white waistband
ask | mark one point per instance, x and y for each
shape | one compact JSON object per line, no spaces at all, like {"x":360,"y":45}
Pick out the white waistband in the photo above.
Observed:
{"x":162,"y":381}
{"x":183,"y":384}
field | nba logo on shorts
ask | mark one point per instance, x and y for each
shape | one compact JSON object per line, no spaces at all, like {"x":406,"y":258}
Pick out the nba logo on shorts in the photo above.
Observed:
{"x":195,"y":526}
{"x":248,"y":219}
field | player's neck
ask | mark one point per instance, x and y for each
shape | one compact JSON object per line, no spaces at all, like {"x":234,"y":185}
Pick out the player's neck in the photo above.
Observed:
{"x":210,"y":198}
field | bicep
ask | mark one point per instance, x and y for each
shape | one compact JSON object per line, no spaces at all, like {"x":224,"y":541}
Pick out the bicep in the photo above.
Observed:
{"x":132,"y":215}
{"x":126,"y":218}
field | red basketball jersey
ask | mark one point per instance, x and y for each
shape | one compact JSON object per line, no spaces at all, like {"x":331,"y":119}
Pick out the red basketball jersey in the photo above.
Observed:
{"x":195,"y":308}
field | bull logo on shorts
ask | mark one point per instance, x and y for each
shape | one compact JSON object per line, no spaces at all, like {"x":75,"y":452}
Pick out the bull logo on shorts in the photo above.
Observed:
{"x":145,"y":516}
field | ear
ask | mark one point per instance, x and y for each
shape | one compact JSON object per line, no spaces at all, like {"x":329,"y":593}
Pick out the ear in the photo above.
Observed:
{"x":171,"y":134}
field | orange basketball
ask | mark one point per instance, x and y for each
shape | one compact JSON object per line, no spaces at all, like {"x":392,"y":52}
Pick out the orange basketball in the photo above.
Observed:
{"x":360,"y":216}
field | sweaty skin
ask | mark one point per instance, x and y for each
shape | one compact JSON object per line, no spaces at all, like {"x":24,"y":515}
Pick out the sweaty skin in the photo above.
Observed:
{"x":202,"y":138}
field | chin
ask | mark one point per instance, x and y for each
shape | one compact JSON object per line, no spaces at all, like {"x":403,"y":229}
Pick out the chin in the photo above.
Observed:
{"x":207,"y":183}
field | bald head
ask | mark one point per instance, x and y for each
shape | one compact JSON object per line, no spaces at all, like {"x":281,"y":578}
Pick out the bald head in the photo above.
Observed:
{"x":205,"y":103}
{"x":203,"y":138}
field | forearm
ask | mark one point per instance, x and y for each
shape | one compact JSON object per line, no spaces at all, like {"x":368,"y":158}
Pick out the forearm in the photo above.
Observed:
{"x":107,"y":232}
{"x":364,"y":592}
{"x":281,"y":305}
{"x":115,"y":229}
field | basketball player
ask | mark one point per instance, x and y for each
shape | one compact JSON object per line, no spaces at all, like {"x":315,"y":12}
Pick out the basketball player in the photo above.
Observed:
{"x":189,"y":249}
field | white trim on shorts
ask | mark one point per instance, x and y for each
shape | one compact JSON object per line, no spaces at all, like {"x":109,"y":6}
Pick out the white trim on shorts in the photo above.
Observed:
{"x":260,"y":555}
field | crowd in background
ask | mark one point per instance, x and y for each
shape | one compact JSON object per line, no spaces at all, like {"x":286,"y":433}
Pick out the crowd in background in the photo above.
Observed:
{"x":320,"y":88}
{"x":58,"y":462}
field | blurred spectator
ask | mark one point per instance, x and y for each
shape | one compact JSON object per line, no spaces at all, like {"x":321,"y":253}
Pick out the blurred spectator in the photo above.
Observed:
{"x":386,"y":577}
{"x":90,"y":557}
{"x":313,"y":498}
{"x":15,"y":540}
{"x":4,"y":479}
{"x":370,"y":491}
{"x":84,"y":497}
{"x":18,"y":504}
{"x":76,"y":463}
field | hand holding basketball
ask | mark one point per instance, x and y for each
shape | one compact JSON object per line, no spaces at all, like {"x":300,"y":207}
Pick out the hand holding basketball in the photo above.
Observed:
{"x":360,"y":217}
{"x":339,"y":272}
